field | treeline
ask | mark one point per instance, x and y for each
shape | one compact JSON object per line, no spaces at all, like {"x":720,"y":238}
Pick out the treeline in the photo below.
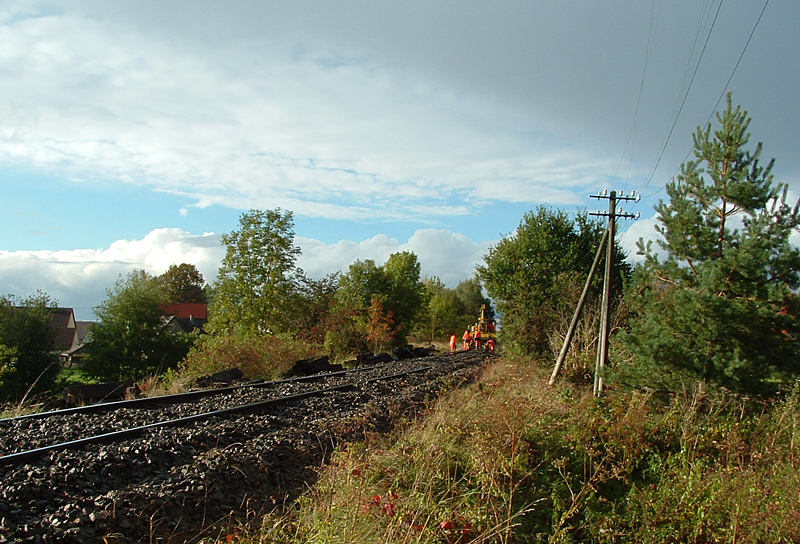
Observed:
{"x":715,"y":303}
{"x":263,"y":314}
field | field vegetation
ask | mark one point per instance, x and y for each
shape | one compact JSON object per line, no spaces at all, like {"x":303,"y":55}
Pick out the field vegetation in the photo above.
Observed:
{"x":509,"y":459}
{"x":695,"y":441}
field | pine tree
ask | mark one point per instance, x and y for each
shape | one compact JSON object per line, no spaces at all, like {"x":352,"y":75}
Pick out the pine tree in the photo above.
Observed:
{"x":719,"y":304}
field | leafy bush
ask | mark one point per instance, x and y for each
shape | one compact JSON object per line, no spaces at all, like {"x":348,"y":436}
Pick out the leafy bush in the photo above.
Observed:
{"x":257,"y":356}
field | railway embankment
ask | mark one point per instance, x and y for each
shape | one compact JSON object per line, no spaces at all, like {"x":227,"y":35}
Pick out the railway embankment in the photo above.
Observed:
{"x":189,"y":469}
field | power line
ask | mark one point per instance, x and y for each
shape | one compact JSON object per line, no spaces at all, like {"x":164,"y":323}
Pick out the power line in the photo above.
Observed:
{"x":724,"y":89}
{"x":632,"y":131}
{"x":683,"y":102}
{"x":760,"y":15}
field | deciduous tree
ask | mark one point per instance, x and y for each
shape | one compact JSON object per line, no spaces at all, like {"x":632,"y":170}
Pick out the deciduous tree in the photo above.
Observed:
{"x":258,"y":275}
{"x":183,"y":283}
{"x":28,"y":363}
{"x":530,"y":273}
{"x":450,"y":311}
{"x":397,"y":283}
{"x":404,"y":291}
{"x":380,"y":331}
{"x":132,"y":338}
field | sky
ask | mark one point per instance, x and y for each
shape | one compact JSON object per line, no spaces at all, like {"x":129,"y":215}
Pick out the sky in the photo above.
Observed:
{"x":134,"y":134}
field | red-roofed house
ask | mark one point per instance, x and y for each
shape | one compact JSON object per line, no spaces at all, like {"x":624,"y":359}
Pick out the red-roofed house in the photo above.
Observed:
{"x":187,"y":316}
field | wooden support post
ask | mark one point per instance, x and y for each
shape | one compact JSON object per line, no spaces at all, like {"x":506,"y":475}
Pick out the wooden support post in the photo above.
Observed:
{"x":574,"y":323}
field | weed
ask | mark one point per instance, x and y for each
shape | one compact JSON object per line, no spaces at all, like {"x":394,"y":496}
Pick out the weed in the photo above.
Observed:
{"x":510,"y":460}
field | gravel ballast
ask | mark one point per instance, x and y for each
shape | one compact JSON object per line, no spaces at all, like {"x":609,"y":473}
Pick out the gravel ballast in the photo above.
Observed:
{"x":189,"y":483}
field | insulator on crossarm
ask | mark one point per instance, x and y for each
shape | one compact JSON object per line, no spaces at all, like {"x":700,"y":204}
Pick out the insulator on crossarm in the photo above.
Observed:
{"x":638,"y":198}
{"x":633,"y":193}
{"x":619,"y":210}
{"x":637,"y":216}
{"x":605,"y":192}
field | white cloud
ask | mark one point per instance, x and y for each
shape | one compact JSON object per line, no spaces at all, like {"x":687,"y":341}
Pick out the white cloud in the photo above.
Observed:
{"x":450,"y":256}
{"x":643,"y":228}
{"x":79,"y":278}
{"x":265,"y":124}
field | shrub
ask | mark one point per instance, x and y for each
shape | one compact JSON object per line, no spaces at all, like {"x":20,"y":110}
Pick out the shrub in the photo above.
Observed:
{"x":257,"y":356}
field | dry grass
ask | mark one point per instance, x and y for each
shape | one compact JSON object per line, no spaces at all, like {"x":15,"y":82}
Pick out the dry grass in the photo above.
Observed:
{"x":509,"y":459}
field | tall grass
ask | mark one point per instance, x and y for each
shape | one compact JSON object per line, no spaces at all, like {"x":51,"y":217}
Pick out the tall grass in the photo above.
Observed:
{"x":509,"y":460}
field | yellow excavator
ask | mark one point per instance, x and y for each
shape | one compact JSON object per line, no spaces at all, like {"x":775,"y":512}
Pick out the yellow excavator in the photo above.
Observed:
{"x":486,"y":328}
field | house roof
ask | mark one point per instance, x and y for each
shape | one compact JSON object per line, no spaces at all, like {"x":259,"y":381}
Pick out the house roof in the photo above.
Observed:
{"x":186,"y":310}
{"x":63,"y":322}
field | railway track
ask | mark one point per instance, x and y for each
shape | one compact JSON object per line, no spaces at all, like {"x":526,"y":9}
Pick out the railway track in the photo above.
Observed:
{"x":80,"y":426}
{"x":243,"y":399}
{"x":170,"y":470}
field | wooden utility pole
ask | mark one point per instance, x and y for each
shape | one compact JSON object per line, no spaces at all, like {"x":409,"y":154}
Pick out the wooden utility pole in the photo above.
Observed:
{"x":602,"y":343}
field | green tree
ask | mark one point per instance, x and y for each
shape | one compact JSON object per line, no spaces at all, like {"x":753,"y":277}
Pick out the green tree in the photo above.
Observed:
{"x":470,"y":293}
{"x":363,"y":280}
{"x":404,"y":294}
{"x":450,"y":311}
{"x":258,"y":276}
{"x":132,"y":338}
{"x":532,"y":273}
{"x":396,"y":283}
{"x":28,"y":363}
{"x":440,"y":307}
{"x":719,"y":305}
{"x":313,"y":303}
{"x":183,"y":283}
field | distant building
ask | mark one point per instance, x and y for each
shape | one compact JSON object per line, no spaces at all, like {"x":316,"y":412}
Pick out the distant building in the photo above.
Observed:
{"x":184,"y":317}
{"x":63,"y":321}
{"x":71,"y":335}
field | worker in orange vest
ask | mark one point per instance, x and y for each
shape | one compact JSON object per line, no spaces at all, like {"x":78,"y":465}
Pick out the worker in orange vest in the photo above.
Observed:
{"x":466,"y":338}
{"x":477,"y":339}
{"x":490,"y":344}
{"x":452,"y":342}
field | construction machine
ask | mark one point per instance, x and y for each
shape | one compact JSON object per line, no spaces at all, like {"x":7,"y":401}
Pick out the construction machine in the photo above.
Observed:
{"x":486,"y":328}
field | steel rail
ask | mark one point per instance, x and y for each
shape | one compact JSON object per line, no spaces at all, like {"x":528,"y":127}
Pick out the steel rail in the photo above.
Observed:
{"x":22,"y":456}
{"x":178,"y":398}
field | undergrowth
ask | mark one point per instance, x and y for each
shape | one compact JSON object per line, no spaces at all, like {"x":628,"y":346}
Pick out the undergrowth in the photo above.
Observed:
{"x":510,"y":460}
{"x":268,"y":357}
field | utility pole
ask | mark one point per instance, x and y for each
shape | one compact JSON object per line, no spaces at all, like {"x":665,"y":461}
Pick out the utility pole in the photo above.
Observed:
{"x":612,"y":214}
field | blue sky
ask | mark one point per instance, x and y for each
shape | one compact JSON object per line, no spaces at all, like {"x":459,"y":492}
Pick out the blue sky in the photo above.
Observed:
{"x":132,"y":134}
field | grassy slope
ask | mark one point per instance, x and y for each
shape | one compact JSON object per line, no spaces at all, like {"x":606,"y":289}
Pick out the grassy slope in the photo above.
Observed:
{"x":508,"y":459}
